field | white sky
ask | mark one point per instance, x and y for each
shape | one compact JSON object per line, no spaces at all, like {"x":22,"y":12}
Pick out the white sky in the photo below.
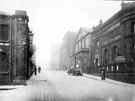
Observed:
{"x":51,"y":19}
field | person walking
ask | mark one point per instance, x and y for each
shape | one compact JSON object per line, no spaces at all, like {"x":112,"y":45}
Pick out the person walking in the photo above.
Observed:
{"x":35,"y":70}
{"x":39,"y":69}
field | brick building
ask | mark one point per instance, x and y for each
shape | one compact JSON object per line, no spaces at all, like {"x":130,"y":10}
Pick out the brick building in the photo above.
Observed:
{"x":113,"y":45}
{"x":15,"y":46}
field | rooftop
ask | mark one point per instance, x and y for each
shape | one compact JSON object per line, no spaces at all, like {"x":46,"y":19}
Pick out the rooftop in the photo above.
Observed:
{"x":5,"y":13}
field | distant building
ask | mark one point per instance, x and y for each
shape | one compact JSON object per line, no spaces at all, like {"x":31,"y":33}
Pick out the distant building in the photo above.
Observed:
{"x":54,"y":65}
{"x":15,"y":41}
{"x":81,"y":54}
{"x":113,"y":45}
{"x":66,"y":49}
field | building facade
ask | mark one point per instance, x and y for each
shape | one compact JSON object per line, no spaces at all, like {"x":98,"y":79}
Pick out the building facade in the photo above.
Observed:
{"x":81,"y":55}
{"x":66,"y":49}
{"x":113,"y":45}
{"x":14,"y":47}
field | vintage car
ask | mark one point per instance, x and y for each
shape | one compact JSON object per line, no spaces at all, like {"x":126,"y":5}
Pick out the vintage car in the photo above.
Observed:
{"x":75,"y":71}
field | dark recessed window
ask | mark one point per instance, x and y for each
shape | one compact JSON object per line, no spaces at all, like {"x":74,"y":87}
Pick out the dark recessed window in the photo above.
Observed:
{"x":114,"y":52}
{"x":4,"y":29}
{"x":106,"y":56}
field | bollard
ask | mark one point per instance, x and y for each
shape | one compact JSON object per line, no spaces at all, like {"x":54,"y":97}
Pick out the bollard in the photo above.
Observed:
{"x":103,"y":74}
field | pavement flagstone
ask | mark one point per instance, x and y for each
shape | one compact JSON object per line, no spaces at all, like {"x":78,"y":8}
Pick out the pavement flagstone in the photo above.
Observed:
{"x":37,"y":89}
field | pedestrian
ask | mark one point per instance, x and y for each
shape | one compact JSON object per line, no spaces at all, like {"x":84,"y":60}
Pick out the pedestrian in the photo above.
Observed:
{"x":35,"y":70}
{"x":39,"y":69}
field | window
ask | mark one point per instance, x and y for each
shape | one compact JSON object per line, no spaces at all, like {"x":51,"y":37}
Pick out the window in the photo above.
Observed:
{"x":114,"y":52}
{"x":117,"y":67}
{"x":96,"y":62}
{"x":97,"y":44}
{"x":83,"y":43}
{"x":134,"y":28}
{"x":4,"y":29}
{"x":87,"y":42}
{"x":134,"y":48}
{"x":107,"y":69}
{"x":106,"y":56}
{"x":4,"y":61}
{"x":111,"y":68}
{"x":79,"y":44}
{"x":76,"y":47}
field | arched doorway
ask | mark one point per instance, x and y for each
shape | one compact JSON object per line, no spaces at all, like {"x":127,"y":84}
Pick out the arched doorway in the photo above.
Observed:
{"x":4,"y":68}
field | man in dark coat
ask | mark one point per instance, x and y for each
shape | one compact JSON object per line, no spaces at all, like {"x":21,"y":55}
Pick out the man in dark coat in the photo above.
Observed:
{"x":39,"y":69}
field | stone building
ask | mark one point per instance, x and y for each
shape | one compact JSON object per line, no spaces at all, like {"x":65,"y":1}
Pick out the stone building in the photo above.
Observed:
{"x":81,"y":55}
{"x":14,"y":47}
{"x":113,"y":45}
{"x":66,"y":49}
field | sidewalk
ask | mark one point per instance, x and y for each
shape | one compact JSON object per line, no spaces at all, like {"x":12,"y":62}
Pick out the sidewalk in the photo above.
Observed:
{"x":38,"y":77}
{"x":10,"y":87}
{"x":107,"y":80}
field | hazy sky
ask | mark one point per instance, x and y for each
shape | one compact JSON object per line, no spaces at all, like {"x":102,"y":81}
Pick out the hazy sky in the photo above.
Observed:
{"x":51,"y":19}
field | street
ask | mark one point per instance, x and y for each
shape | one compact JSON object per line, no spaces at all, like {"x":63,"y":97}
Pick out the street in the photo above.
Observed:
{"x":59,"y":86}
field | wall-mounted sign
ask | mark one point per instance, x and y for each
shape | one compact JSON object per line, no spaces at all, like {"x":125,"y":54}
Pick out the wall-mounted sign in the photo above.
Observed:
{"x":119,"y":59}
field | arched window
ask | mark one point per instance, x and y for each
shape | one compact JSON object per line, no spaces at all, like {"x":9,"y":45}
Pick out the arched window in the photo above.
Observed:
{"x":106,"y":56}
{"x":3,"y":61}
{"x":3,"y":57}
{"x":114,"y":52}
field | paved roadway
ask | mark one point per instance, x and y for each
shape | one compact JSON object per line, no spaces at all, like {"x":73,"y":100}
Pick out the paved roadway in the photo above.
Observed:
{"x":58,"y":86}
